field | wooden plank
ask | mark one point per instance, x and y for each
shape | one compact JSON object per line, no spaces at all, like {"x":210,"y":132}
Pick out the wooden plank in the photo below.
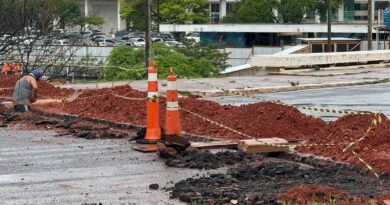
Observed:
{"x":215,"y":145}
{"x":263,"y":145}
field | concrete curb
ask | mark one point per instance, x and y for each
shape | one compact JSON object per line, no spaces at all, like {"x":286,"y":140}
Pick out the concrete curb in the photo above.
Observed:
{"x":120,"y":125}
{"x":276,"y":89}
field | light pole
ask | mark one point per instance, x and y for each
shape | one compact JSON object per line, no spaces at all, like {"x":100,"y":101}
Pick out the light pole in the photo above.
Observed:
{"x":329,"y":4}
{"x":369,"y":25}
{"x":148,"y":37}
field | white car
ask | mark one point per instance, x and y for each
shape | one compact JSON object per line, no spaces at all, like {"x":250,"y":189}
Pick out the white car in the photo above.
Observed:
{"x":137,"y":42}
{"x":194,"y":36}
{"x":61,"y":42}
{"x":105,"y":42}
{"x":174,"y":44}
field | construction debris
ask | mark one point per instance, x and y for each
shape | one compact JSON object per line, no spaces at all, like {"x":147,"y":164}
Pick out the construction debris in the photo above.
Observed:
{"x":264,"y":145}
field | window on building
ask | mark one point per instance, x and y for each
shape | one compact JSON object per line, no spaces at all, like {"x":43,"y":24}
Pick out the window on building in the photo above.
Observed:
{"x":214,"y":8}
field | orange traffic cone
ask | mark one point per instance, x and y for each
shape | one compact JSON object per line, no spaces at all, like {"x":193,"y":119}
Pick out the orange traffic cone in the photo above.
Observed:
{"x":173,"y":125}
{"x":153,"y":129}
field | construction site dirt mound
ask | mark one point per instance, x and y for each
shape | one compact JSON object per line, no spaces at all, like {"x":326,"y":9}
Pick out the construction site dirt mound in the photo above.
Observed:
{"x":255,"y":120}
{"x":45,"y":91}
{"x":259,"y":120}
{"x":374,"y":148}
{"x":105,"y":104}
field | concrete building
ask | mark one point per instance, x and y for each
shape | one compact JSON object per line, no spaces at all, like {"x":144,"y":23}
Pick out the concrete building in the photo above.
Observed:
{"x":351,"y":11}
{"x":109,"y":10}
{"x":350,"y":21}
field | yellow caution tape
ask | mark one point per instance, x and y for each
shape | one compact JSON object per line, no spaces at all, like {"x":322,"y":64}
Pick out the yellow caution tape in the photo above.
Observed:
{"x":9,"y":88}
{"x":246,"y":135}
{"x":369,"y":167}
{"x":375,"y":121}
{"x":127,"y":98}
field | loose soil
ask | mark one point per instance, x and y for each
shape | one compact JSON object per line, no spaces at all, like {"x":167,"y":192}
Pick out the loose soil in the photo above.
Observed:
{"x":374,"y":149}
{"x":266,"y":182}
{"x":45,"y":91}
{"x":257,"y":120}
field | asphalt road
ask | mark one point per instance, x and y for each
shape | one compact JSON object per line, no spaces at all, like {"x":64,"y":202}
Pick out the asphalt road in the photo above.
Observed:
{"x":38,"y":168}
{"x":374,"y":98}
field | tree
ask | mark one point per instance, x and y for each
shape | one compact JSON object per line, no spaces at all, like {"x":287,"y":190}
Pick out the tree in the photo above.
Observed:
{"x":253,"y":11}
{"x":184,"y":12}
{"x":293,"y":11}
{"x":165,"y":11}
{"x":290,"y":11}
{"x":27,"y":31}
{"x":90,"y":21}
{"x":191,"y":61}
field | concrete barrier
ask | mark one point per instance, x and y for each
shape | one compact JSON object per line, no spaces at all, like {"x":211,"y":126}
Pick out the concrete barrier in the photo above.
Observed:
{"x":299,"y":60}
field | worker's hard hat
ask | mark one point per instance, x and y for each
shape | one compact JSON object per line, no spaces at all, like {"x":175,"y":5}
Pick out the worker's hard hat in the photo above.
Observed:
{"x":37,"y":73}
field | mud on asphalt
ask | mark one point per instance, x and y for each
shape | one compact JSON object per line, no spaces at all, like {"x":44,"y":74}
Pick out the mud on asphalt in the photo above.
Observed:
{"x":250,"y":179}
{"x":263,"y":178}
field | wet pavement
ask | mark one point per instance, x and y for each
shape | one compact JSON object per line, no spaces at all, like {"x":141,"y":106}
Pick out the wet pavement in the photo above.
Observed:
{"x":374,"y":98}
{"x":38,"y":168}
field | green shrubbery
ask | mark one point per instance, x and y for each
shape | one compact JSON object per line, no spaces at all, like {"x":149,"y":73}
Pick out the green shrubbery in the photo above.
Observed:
{"x":125,"y":63}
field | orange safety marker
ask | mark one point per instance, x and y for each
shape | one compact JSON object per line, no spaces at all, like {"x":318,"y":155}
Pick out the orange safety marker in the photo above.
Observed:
{"x":153,"y":129}
{"x":173,"y":125}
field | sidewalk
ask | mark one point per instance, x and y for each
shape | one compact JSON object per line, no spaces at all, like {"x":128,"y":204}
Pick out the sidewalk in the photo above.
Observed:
{"x":284,"y":81}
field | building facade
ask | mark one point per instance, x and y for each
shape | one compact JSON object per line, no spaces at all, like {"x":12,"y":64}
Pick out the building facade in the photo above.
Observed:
{"x":109,"y":10}
{"x":351,"y":11}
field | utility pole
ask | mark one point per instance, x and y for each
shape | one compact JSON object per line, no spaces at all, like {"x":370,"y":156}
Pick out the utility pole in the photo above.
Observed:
{"x":148,"y":36}
{"x":158,"y":16}
{"x":329,"y":25}
{"x":369,"y":25}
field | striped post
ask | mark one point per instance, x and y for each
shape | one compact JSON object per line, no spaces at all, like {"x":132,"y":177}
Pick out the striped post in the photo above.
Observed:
{"x":173,"y":125}
{"x":153,"y":130}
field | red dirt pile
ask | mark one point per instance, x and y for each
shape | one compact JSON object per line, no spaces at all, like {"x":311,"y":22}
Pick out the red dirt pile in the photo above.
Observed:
{"x":374,"y":149}
{"x":45,"y":89}
{"x":309,"y":194}
{"x":104,"y":105}
{"x":257,"y":120}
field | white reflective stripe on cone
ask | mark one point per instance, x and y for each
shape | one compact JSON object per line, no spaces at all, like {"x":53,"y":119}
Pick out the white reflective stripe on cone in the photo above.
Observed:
{"x":152,"y":94}
{"x":173,"y":109}
{"x":173,"y":105}
{"x":172,"y":85}
{"x":152,"y":77}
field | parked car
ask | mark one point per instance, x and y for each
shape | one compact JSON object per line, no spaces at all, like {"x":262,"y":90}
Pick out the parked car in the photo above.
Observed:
{"x":174,"y":44}
{"x":97,"y":34}
{"x":157,"y":40}
{"x":61,"y":42}
{"x":100,"y":37}
{"x":167,"y":37}
{"x":129,"y":43}
{"x":105,"y":42}
{"x":44,"y":42}
{"x":120,"y":43}
{"x":137,"y":42}
{"x":194,"y":36}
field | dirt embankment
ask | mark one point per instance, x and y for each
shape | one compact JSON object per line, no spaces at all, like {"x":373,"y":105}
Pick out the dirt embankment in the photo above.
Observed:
{"x":46,"y":90}
{"x":256,"y":120}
